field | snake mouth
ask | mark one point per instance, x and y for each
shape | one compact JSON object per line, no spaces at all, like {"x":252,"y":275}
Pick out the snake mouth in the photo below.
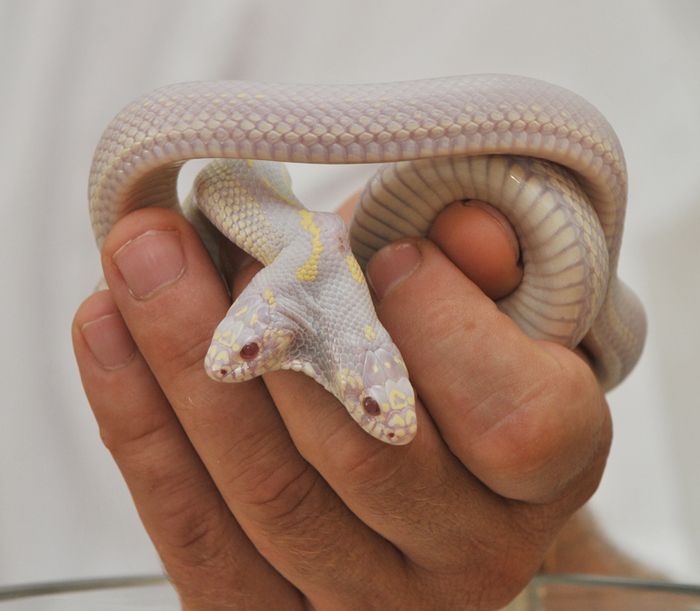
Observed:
{"x":388,"y":412}
{"x":226,"y":373}
{"x":221,"y":365}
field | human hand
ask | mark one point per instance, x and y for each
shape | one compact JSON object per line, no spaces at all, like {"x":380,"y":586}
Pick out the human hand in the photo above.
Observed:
{"x":267,"y":495}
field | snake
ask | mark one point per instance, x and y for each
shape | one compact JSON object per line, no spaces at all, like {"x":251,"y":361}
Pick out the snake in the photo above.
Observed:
{"x":543,"y":156}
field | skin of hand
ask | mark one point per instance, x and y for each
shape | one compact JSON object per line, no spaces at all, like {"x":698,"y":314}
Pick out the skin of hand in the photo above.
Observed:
{"x":266,"y":495}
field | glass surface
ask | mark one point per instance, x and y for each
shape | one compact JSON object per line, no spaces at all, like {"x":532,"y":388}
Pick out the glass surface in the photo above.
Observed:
{"x":152,"y":592}
{"x":602,"y":593}
{"x":545,"y":593}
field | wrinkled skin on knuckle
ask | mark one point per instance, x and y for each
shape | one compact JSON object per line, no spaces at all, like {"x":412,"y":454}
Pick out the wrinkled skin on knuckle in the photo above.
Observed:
{"x":204,"y":566}
{"x":127,"y":440}
{"x":226,"y":586}
{"x":136,"y":440}
{"x":258,"y":473}
{"x":458,"y":386}
{"x":547,"y":428}
{"x":309,"y":537}
{"x":285,"y":504}
{"x":508,"y":560}
{"x":190,"y":537}
{"x":590,"y":435}
{"x":484,"y":586}
{"x":355,"y":461}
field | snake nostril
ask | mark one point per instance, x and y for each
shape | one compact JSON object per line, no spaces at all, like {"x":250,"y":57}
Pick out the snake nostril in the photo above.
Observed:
{"x":223,"y":372}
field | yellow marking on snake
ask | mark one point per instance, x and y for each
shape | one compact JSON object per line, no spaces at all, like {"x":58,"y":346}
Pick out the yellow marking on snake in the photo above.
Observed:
{"x":226,"y":338}
{"x":269,"y":297}
{"x":355,"y":270}
{"x":370,"y":333}
{"x":309,"y":271}
{"x":396,"y":421}
{"x":398,"y":399}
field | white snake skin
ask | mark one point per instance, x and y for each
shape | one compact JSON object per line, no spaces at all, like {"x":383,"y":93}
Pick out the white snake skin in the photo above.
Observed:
{"x":542,"y":155}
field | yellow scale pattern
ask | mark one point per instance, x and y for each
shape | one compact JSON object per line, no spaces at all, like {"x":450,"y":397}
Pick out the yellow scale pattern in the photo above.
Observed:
{"x":309,"y":271}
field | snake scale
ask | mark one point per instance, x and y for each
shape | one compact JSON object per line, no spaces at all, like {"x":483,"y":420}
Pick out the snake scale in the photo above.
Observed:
{"x":543,"y":156}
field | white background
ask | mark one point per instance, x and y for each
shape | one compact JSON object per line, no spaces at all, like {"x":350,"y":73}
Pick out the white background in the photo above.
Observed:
{"x":67,"y":67}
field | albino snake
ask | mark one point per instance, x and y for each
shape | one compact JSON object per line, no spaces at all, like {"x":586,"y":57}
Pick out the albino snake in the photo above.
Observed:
{"x":540,"y":154}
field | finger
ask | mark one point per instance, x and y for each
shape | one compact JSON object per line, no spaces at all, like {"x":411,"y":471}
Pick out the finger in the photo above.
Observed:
{"x":396,"y":491}
{"x":179,"y":505}
{"x":450,"y":527}
{"x":418,"y":497}
{"x":294,"y":519}
{"x":477,"y":238}
{"x":380,"y":486}
{"x":480,"y":241}
{"x":526,"y":417}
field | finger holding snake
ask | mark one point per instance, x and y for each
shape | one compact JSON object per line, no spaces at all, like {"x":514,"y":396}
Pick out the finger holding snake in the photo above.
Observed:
{"x":509,"y":431}
{"x":337,"y":500}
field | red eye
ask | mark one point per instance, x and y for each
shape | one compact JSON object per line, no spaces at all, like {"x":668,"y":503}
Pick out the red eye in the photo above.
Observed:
{"x":371,"y":406}
{"x":249,"y":351}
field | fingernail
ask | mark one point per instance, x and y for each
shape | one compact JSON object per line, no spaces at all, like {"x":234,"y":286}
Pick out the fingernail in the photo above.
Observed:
{"x":109,"y":341}
{"x":391,"y":266}
{"x":151,"y":261}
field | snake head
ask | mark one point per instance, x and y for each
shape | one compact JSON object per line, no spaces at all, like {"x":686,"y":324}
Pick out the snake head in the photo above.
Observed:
{"x":249,"y":341}
{"x":380,"y":398}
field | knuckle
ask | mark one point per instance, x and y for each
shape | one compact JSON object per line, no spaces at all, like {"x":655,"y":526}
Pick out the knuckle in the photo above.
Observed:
{"x":201,"y":560}
{"x":134,"y":437}
{"x":193,"y":536}
{"x":501,"y":585}
{"x":486,"y":585}
{"x":553,"y":429}
{"x":193,"y":527}
{"x":362,"y":462}
{"x":283,"y":503}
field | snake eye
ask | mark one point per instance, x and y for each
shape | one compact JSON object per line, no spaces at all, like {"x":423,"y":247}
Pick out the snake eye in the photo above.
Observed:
{"x":371,"y":406}
{"x":249,"y":351}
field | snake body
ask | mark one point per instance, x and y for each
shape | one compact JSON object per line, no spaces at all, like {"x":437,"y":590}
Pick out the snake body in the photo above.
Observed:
{"x":542,"y":155}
